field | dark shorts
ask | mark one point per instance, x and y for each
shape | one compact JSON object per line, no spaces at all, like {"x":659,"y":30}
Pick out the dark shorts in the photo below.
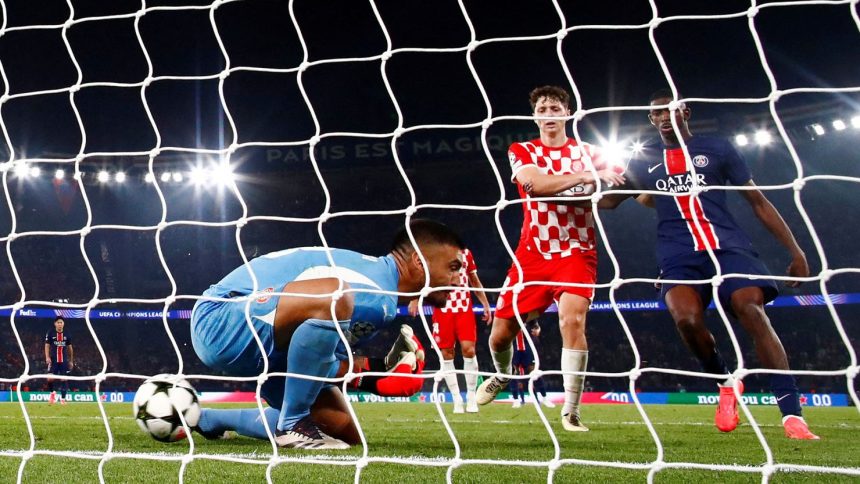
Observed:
{"x":698,"y":266}
{"x":523,"y":359}
{"x":61,"y":368}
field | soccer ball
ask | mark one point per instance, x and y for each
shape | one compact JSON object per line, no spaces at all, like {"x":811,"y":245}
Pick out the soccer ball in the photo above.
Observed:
{"x":158,"y":403}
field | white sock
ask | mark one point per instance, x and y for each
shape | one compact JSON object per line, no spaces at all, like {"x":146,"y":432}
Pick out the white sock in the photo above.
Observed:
{"x":451,"y":380}
{"x":573,"y":360}
{"x":502,"y":359}
{"x":471,"y":364}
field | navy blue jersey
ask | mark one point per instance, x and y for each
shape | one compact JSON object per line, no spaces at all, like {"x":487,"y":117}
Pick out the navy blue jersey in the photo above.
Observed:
{"x":665,"y":169}
{"x":59,"y":342}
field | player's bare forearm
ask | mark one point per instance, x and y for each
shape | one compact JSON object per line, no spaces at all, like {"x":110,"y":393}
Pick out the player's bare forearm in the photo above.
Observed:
{"x":475,"y":282}
{"x":47,"y":352}
{"x":775,"y":224}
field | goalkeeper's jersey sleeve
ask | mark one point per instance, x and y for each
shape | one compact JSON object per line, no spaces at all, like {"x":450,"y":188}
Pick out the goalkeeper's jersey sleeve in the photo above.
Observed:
{"x":368,"y":277}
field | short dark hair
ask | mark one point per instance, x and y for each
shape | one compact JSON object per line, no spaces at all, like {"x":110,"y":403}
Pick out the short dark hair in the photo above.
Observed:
{"x":560,"y":94}
{"x":426,"y":231}
{"x":661,"y":93}
{"x":59,"y":318}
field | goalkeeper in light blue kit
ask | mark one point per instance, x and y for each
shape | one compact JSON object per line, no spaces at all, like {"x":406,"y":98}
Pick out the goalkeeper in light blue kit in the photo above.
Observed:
{"x":298,"y":329}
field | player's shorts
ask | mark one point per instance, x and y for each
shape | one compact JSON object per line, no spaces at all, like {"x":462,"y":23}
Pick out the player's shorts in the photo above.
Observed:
{"x":451,"y":327}
{"x":580,"y":267}
{"x":698,"y":265}
{"x":523,"y":359}
{"x":224,"y":342}
{"x":59,"y":368}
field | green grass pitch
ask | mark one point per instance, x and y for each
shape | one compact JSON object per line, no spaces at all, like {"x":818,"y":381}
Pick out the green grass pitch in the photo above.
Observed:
{"x":416,"y":431}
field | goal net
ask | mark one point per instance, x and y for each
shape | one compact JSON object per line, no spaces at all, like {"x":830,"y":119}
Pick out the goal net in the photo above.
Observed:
{"x":152,"y":147}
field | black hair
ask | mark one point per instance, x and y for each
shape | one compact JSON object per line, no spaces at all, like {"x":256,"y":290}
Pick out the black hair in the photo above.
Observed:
{"x":59,"y":318}
{"x":426,"y":231}
{"x":661,"y":93}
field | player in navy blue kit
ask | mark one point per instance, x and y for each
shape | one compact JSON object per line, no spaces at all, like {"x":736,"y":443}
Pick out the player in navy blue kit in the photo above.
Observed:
{"x":298,"y":329}
{"x":524,"y":363}
{"x":60,"y":358}
{"x":687,"y":226}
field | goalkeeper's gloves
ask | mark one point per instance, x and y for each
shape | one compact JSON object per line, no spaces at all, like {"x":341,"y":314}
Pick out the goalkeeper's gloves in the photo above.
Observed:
{"x":395,"y":382}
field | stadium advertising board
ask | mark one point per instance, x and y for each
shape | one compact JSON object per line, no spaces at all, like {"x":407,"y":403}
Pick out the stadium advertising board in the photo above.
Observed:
{"x":106,"y":397}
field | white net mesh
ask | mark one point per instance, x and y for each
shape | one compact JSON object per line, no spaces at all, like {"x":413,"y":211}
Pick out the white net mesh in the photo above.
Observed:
{"x":312,"y":120}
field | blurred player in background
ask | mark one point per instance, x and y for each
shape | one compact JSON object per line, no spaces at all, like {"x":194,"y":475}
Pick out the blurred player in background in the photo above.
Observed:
{"x":456,"y":322}
{"x":557,"y":245}
{"x":524,"y":364}
{"x":59,"y":357}
{"x":299,"y":331}
{"x":682,"y":253}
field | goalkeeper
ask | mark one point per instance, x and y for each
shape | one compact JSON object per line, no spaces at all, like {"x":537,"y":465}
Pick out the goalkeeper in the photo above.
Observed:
{"x":298,"y":329}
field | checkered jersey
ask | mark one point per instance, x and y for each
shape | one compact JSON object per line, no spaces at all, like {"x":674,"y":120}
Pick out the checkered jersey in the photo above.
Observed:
{"x":460,"y":301}
{"x":553,"y":229}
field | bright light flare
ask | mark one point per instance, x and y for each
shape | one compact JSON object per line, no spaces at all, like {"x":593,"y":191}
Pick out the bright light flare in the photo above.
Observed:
{"x":637,"y":147}
{"x":103,"y":176}
{"x":818,"y":129}
{"x":60,"y":174}
{"x":149,"y":178}
{"x":839,"y":125}
{"x":199,"y":175}
{"x":762,"y":137}
{"x":855,"y":121}
{"x":177,"y":177}
{"x":119,"y":177}
{"x":742,"y":140}
{"x":35,"y":171}
{"x":165,"y":177}
{"x":223,"y":175}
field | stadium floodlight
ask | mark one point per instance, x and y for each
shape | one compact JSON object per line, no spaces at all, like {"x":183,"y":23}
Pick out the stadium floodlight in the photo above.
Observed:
{"x":5,"y":166}
{"x":60,"y":174}
{"x":855,"y":121}
{"x":119,"y":177}
{"x":103,"y":176}
{"x":223,"y":175}
{"x":165,"y":177}
{"x":35,"y":171}
{"x":614,"y":152}
{"x":817,"y":129}
{"x":742,"y":140}
{"x":177,"y":176}
{"x":638,"y":146}
{"x":198,"y":175}
{"x":149,"y":177}
{"x":839,"y":125}
{"x":762,"y":137}
{"x":21,"y":170}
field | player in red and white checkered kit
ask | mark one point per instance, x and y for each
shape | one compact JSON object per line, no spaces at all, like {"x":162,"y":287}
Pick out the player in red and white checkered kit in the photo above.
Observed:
{"x":557,"y":245}
{"x":456,"y":322}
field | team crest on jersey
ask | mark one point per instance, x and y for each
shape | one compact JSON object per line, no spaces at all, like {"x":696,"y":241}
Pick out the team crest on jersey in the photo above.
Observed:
{"x":265,"y":298}
{"x":700,"y":161}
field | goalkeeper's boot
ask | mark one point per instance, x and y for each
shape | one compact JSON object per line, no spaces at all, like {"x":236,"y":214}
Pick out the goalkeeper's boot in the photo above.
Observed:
{"x":215,"y":435}
{"x":490,"y":388}
{"x":306,"y":435}
{"x":796,"y":428}
{"x":726,"y":418}
{"x":572,"y":422}
{"x":404,"y":342}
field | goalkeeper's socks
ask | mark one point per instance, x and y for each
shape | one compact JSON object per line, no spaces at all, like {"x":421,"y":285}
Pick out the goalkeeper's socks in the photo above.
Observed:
{"x":502,"y":359}
{"x":245,"y":421}
{"x":451,"y":380}
{"x":573,"y":360}
{"x":471,"y":365}
{"x":311,"y":352}
{"x":784,"y":388}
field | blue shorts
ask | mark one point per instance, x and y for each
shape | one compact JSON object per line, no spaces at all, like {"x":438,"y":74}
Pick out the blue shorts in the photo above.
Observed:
{"x":523,"y":358}
{"x":224,"y":342}
{"x":61,"y":368}
{"x":698,"y":265}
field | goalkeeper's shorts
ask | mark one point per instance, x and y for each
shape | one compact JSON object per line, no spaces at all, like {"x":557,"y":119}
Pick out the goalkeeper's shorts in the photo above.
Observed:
{"x":223,"y":340}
